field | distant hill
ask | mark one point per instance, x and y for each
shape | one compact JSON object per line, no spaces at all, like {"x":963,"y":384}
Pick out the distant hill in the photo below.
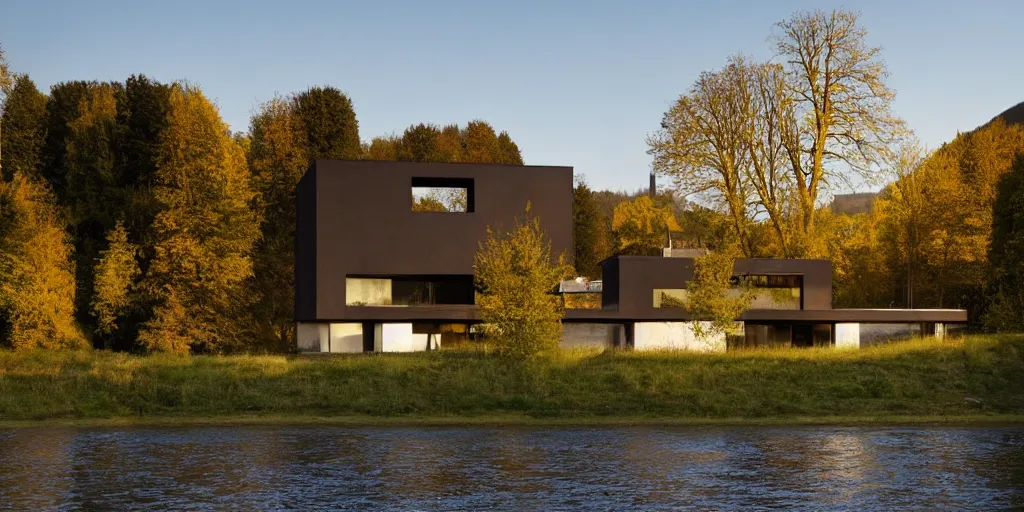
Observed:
{"x":1012,"y":115}
{"x":852,"y":204}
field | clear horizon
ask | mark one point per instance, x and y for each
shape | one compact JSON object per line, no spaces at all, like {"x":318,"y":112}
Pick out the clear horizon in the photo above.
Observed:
{"x":579,"y":84}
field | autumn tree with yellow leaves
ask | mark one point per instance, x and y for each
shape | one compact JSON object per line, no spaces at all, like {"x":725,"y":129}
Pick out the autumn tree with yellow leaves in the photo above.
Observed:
{"x":642,"y":228}
{"x":518,"y":275}
{"x":37,"y":281}
{"x":203,"y":235}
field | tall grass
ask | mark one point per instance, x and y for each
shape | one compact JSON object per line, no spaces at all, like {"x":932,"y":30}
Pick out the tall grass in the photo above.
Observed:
{"x":967,"y":376}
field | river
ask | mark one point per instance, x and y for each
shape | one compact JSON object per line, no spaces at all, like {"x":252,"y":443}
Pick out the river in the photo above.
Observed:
{"x":476,"y":468}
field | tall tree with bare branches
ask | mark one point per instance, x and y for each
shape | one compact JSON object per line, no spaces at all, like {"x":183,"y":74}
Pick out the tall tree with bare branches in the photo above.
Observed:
{"x":702,"y":144}
{"x":841,"y":103}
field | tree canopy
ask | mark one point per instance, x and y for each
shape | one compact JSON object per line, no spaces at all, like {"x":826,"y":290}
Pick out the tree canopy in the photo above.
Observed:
{"x":37,"y":282}
{"x":517,"y":276}
{"x":24,"y":128}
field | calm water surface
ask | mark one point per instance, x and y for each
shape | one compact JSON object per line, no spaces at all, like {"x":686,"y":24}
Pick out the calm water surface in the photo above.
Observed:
{"x":313,"y":468}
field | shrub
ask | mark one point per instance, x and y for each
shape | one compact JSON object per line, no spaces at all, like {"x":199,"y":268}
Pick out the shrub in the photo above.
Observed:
{"x":517,"y":277}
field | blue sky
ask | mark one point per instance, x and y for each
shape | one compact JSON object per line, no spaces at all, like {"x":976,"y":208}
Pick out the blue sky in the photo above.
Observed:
{"x":574,"y":83}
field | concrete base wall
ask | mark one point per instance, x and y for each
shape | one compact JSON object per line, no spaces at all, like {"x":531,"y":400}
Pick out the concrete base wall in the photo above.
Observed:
{"x":576,"y":335}
{"x":847,"y":335}
{"x":675,"y":336}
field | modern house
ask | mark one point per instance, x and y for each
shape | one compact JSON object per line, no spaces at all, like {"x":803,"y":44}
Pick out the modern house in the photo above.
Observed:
{"x":382,"y":264}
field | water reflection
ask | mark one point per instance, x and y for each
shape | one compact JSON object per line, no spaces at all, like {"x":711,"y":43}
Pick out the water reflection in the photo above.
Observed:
{"x":295,"y":468}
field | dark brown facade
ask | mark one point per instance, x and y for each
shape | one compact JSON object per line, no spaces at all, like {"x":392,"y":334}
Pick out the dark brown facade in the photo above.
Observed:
{"x":636,"y":277}
{"x":355,"y":218}
{"x":630,"y":283}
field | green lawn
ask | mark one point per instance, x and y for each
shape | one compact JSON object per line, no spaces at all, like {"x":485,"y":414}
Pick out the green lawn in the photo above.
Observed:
{"x":964,"y":379}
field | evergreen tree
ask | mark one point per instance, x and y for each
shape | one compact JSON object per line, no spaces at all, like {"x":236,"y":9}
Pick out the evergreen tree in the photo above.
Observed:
{"x":141,"y":118}
{"x":37,"y":283}
{"x":24,"y":129}
{"x":589,"y":243}
{"x":329,"y":122}
{"x":1006,"y":254}
{"x":203,"y":234}
{"x":61,"y":110}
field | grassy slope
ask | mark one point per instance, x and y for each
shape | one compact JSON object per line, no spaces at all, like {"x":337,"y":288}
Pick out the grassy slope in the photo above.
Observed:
{"x":914,"y":380}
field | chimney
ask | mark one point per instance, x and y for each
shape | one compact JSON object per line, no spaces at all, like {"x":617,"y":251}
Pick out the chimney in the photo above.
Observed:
{"x":653,"y":190}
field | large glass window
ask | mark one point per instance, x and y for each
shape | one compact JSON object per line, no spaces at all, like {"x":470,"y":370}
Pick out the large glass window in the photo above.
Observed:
{"x":774,"y":291}
{"x":769,"y":292}
{"x":409,"y":290}
{"x":367,"y":292}
{"x":670,"y":298}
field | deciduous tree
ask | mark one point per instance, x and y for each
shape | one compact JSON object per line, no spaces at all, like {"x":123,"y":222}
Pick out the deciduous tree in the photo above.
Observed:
{"x":517,"y":275}
{"x":419,"y":143}
{"x":711,"y":296}
{"x":277,"y":159}
{"x":703,"y":144}
{"x":141,"y":118}
{"x":508,"y":151}
{"x":115,"y":274}
{"x":6,"y":79}
{"x":329,"y":122}
{"x":842,"y":105}
{"x":37,"y":282}
{"x":382,"y":148}
{"x":480,"y":143}
{"x":641,"y":228}
{"x":203,"y":235}
{"x":448,"y":147}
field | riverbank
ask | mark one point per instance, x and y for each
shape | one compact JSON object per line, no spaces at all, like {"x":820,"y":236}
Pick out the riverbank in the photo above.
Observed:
{"x":976,"y":379}
{"x":994,"y":420}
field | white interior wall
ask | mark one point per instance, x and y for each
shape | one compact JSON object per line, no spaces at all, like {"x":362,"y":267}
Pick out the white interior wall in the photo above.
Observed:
{"x":847,"y":335}
{"x":346,"y":338}
{"x":397,"y":338}
{"x":675,"y":336}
